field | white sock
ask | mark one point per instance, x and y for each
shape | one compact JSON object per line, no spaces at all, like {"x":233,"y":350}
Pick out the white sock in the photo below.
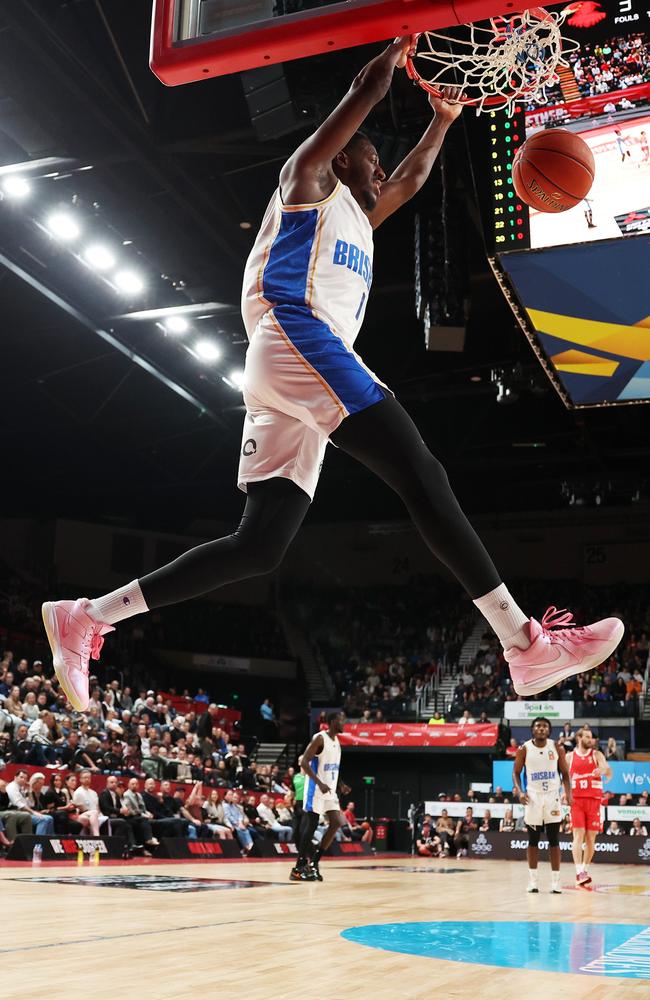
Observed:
{"x":505,"y":616}
{"x":555,"y":878}
{"x":119,"y":604}
{"x":579,"y":868}
{"x":532,"y":875}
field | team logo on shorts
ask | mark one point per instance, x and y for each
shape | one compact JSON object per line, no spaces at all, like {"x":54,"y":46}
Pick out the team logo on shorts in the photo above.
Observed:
{"x":250,"y":447}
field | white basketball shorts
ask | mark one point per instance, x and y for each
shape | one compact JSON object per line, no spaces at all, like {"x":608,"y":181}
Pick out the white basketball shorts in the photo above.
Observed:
{"x":301,"y":381}
{"x":542,"y":808}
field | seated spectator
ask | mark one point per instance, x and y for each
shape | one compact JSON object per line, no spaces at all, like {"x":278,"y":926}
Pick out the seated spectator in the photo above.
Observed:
{"x":613,"y":829}
{"x":18,"y":793}
{"x":154,"y":765}
{"x":507,"y":824}
{"x":237,"y":821}
{"x":512,"y":748}
{"x":163,"y":822}
{"x":15,"y":821}
{"x":613,"y":751}
{"x":86,"y":800}
{"x":445,"y":830}
{"x":357,"y":830}
{"x":466,"y":719}
{"x":428,"y":844}
{"x":190,"y":810}
{"x":487,"y":823}
{"x":249,"y":805}
{"x":112,"y":807}
{"x":464,"y":827}
{"x":637,"y":829}
{"x":437,"y":719}
{"x":271,"y":822}
{"x":214,"y":816}
{"x":284,"y":808}
{"x":139,"y":816}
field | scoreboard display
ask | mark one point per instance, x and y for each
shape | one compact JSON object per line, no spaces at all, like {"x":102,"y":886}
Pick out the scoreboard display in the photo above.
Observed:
{"x":578,"y":280}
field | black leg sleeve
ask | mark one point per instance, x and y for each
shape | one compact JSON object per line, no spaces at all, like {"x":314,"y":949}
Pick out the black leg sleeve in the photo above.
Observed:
{"x":274,"y":511}
{"x":385,"y":440}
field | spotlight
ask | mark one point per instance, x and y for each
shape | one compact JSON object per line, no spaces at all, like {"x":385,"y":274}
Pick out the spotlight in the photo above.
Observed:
{"x":176,"y":324}
{"x":506,"y":395}
{"x":16,"y":187}
{"x":207,"y":350}
{"x":236,"y":377}
{"x":64,"y":226}
{"x":129,"y":282}
{"x":100,"y":257}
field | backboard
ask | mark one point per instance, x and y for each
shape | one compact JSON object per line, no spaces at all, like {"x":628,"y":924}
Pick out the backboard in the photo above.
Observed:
{"x":198,"y":39}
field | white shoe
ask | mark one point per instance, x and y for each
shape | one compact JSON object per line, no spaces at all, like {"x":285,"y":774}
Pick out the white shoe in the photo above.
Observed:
{"x":532,"y":887}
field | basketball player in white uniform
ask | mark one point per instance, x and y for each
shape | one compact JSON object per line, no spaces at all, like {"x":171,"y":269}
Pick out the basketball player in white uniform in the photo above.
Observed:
{"x":321,"y":763}
{"x":546,"y":770}
{"x":305,"y":292}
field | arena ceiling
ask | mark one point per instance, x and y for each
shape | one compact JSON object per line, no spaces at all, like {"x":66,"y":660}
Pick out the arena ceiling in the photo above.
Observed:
{"x":104,"y":415}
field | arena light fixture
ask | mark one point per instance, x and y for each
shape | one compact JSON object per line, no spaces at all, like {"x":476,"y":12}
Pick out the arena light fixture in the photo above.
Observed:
{"x":16,"y":187}
{"x":129,"y":282}
{"x":100,"y":257}
{"x":236,"y":378}
{"x":63,"y":226}
{"x":176,"y":325}
{"x":207,"y":350}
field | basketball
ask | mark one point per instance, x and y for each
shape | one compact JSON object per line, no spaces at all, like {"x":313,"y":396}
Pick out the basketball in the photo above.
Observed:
{"x":553,"y":170}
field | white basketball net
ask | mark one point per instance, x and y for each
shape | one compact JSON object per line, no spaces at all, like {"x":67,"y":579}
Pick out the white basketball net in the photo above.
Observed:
{"x":514,"y":59}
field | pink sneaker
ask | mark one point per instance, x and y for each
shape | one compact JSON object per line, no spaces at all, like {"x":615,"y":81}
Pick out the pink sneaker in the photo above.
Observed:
{"x":583,"y":878}
{"x":556,"y":653}
{"x":74,"y":636}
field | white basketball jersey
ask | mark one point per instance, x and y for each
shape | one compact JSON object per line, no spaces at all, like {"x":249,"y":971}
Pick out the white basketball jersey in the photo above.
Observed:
{"x":316,"y":258}
{"x":542,"y":773}
{"x":326,"y":766}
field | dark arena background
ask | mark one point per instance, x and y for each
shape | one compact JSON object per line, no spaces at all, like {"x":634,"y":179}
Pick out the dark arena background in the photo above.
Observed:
{"x":518,"y":341}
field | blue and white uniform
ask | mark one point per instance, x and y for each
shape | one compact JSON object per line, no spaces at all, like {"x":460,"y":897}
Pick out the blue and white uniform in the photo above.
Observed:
{"x":326,"y":765}
{"x":306,"y":286}
{"x":542,"y":784}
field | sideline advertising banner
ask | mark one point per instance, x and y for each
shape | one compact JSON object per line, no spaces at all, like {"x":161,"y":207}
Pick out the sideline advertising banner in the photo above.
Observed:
{"x":512,"y":846}
{"x":399,"y":734}
{"x":526,"y":711}
{"x":627,"y":776}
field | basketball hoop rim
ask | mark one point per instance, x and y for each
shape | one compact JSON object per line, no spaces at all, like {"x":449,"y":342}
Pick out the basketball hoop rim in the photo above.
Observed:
{"x":497,"y":99}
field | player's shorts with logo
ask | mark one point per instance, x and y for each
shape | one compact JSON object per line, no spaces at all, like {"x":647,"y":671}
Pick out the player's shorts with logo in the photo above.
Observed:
{"x":301,"y":382}
{"x":317,"y":802}
{"x":542,"y":809}
{"x":585,"y":814}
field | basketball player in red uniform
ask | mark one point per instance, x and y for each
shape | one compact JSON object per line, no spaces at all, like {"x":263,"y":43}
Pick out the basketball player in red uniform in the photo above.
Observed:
{"x":587,"y":765}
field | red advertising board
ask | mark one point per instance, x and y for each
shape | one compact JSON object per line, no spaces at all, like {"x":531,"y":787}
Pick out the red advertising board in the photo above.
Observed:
{"x":417,"y":734}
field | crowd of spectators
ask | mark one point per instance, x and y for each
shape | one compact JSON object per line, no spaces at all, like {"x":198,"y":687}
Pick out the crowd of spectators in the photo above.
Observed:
{"x":383,"y":645}
{"x":616,"y":64}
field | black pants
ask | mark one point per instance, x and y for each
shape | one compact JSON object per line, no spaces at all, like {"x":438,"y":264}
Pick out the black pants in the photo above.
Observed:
{"x":385,"y":440}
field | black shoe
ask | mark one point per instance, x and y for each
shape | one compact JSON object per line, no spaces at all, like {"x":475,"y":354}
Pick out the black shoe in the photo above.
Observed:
{"x":301,"y":875}
{"x":315,"y":870}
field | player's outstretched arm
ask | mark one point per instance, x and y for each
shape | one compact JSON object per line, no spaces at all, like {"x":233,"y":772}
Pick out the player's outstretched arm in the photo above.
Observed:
{"x":307,"y":176}
{"x":415,"y":168}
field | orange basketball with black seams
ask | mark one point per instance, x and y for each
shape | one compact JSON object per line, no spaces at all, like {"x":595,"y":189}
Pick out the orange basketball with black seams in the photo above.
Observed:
{"x":553,"y":170}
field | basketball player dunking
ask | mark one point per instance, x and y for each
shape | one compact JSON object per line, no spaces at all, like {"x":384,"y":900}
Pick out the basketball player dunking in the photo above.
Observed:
{"x":321,"y":762}
{"x":306,"y":287}
{"x":587,"y":765}
{"x":546,"y":767}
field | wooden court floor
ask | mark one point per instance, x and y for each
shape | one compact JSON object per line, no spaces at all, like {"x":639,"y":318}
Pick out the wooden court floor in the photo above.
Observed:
{"x":279,"y":941}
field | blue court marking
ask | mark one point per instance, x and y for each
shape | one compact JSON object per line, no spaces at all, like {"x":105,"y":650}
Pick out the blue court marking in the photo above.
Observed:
{"x":620,"y":950}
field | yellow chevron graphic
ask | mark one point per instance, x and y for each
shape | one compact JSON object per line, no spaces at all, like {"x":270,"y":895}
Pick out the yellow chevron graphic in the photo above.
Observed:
{"x":580,"y":363}
{"x":628,"y":341}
